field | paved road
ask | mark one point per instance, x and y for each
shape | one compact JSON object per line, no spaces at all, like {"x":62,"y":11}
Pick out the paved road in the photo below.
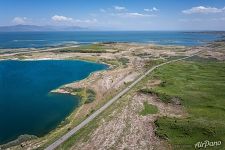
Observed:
{"x":96,"y":113}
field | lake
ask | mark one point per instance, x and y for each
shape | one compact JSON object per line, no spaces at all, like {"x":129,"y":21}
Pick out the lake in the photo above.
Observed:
{"x":48,"y":39}
{"x":26,"y":106}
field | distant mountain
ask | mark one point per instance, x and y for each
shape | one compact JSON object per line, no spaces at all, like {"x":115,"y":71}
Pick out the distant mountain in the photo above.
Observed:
{"x":30,"y":28}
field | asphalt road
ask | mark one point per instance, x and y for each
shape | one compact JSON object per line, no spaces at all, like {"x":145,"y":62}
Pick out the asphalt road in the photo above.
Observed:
{"x":96,"y":113}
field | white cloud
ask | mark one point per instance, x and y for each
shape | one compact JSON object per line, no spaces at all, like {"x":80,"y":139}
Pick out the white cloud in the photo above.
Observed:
{"x":151,"y":10}
{"x":123,"y":12}
{"x":119,"y":8}
{"x":203,"y":10}
{"x":135,"y":14}
{"x":132,"y":14}
{"x":71,"y":21}
{"x":19,"y":20}
{"x":58,"y":18}
{"x":86,"y":21}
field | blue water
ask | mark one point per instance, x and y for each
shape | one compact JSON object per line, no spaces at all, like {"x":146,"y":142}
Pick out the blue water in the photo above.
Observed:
{"x":47,"y":39}
{"x":26,"y":106}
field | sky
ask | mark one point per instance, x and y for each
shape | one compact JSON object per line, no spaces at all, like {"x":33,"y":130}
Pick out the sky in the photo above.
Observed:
{"x":117,"y":14}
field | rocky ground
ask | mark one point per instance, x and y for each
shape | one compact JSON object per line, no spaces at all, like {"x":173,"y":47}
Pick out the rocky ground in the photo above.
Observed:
{"x":129,"y":130}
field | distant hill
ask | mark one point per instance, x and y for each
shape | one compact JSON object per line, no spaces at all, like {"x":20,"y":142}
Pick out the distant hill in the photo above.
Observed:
{"x":30,"y":28}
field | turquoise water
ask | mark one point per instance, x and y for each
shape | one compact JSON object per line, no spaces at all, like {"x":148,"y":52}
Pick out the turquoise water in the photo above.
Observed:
{"x":26,"y":106}
{"x":46,"y":39}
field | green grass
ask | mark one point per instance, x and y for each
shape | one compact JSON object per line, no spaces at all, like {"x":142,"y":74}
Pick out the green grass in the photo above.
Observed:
{"x":87,"y":95}
{"x":148,"y":109}
{"x":201,"y":88}
{"x":98,"y":47}
{"x":90,"y":96}
{"x":202,"y":60}
{"x":92,"y":48}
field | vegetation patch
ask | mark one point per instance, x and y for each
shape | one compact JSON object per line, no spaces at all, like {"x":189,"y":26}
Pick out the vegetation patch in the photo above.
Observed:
{"x":187,"y":132}
{"x":162,"y":96}
{"x":90,"y":96}
{"x":201,"y":86}
{"x":175,"y":57}
{"x":91,"y":48}
{"x":124,"y":61}
{"x":87,"y":95}
{"x":148,"y":109}
{"x":201,"y":59}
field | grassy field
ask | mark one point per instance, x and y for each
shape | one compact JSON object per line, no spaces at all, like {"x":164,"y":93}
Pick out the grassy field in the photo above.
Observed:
{"x":200,"y":87}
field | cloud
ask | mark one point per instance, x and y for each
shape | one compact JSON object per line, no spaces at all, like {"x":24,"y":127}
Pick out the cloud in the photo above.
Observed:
{"x":86,"y":21}
{"x":58,"y":18}
{"x":132,"y":14}
{"x":123,"y":12}
{"x":151,"y":10}
{"x":19,"y":20}
{"x":119,"y":8}
{"x":135,"y":14}
{"x":203,"y":10}
{"x":71,"y":21}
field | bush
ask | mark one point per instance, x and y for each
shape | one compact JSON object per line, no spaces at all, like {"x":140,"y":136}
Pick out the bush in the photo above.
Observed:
{"x":90,"y":96}
{"x":162,"y":96}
